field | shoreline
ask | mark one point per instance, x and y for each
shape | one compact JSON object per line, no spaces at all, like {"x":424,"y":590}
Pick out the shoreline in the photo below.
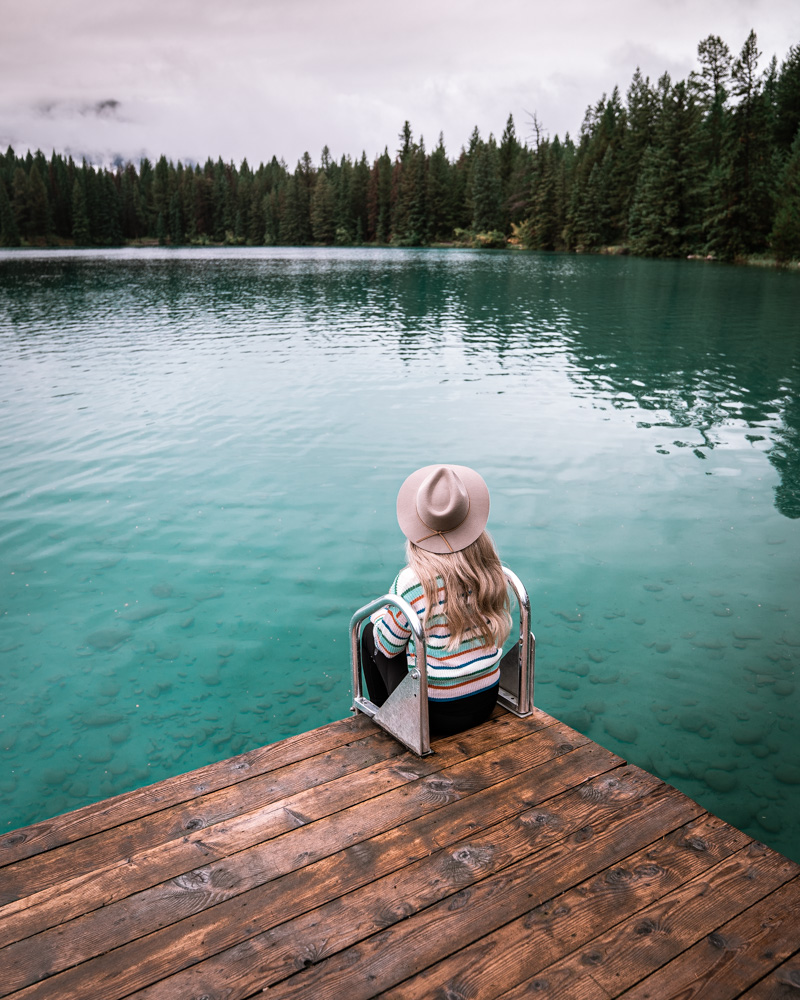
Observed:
{"x":755,"y":260}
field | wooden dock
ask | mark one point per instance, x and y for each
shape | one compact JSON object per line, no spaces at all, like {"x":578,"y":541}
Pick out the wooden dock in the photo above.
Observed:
{"x":519,"y":860}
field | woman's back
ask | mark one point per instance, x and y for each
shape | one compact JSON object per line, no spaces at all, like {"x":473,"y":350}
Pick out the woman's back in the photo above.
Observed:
{"x":455,"y":669}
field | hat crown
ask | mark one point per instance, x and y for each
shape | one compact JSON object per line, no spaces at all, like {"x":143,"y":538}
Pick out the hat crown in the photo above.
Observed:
{"x":442,"y":500}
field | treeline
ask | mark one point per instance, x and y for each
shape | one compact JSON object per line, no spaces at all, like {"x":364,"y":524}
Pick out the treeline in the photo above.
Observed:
{"x":708,"y":165}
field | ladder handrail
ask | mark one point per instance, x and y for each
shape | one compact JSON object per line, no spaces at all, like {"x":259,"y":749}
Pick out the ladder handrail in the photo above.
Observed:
{"x":417,"y":736}
{"x":527,"y":650}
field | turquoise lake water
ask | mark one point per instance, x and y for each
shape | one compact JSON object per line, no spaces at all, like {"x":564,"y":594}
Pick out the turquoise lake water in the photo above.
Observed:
{"x":200,"y":452}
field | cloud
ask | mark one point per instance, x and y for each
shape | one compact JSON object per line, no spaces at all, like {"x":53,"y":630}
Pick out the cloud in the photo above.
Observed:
{"x":196,"y":78}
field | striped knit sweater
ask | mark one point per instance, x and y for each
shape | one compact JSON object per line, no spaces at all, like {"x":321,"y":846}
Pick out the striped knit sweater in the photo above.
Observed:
{"x":452,"y":673}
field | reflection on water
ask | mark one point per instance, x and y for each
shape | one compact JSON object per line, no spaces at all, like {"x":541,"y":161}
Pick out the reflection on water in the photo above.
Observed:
{"x":200,"y":456}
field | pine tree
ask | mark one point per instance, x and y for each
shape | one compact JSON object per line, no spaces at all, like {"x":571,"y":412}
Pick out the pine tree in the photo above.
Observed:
{"x":440,"y":218}
{"x":487,"y":190}
{"x":785,"y":235}
{"x":546,"y":219}
{"x":344,"y":227}
{"x":91,"y":187}
{"x":294,"y":215}
{"x":256,"y":220}
{"x":81,"y":233}
{"x":272,"y":219}
{"x":323,"y":225}
{"x":222,"y":211}
{"x":715,"y":69}
{"x":203,"y":200}
{"x":161,"y":190}
{"x":177,"y":233}
{"x":409,"y":215}
{"x":358,"y":199}
{"x":510,"y":152}
{"x":38,"y":204}
{"x":243,"y":185}
{"x":380,"y":208}
{"x":741,"y":207}
{"x":665,"y":218}
{"x":146,"y":196}
{"x":787,"y":100}
{"x":642,"y":114}
{"x":9,"y":233}
{"x":60,"y":196}
{"x":20,"y":202}
{"x":189,"y":205}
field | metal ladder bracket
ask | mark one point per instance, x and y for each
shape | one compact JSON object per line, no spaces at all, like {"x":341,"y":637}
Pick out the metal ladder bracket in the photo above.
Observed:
{"x":399,"y":714}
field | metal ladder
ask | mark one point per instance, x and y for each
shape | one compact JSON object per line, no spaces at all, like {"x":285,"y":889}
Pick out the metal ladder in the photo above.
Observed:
{"x":404,"y":714}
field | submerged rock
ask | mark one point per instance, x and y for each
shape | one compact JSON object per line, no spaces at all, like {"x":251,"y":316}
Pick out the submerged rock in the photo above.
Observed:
{"x":625,"y":732}
{"x":787,"y":774}
{"x":747,"y":735}
{"x":719,"y":780}
{"x":695,"y":722}
{"x":607,"y":679}
{"x":577,"y":719}
{"x":106,"y":639}
{"x":142,"y":614}
{"x":209,"y":595}
{"x":101,"y":718}
{"x":169,"y":653}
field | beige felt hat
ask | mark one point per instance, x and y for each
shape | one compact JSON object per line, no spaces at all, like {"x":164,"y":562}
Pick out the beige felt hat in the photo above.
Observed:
{"x":443,"y":508}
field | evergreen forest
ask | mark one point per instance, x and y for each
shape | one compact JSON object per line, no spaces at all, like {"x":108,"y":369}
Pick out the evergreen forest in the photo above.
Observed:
{"x":706,"y":166}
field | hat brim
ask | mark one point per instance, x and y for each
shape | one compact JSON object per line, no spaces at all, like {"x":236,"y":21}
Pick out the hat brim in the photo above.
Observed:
{"x":465,"y":534}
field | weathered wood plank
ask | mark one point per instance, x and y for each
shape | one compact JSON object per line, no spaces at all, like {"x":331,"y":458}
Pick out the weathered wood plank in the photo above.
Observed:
{"x":376,"y":965}
{"x":32,"y":875}
{"x":638,"y":941}
{"x":526,"y":950}
{"x":637,"y":947}
{"x":67,"y":898}
{"x":734,"y":957}
{"x":385,"y":899}
{"x":521,"y":858}
{"x":411,"y":797}
{"x":782,"y":983}
{"x":27,"y":841}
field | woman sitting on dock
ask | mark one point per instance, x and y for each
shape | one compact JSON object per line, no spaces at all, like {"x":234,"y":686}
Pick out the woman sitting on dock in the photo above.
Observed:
{"x":455,"y":583}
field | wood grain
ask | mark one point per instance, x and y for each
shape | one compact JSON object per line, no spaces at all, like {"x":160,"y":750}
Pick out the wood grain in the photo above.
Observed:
{"x":519,"y":859}
{"x":110,"y":813}
{"x":732,"y":958}
{"x":416,"y":788}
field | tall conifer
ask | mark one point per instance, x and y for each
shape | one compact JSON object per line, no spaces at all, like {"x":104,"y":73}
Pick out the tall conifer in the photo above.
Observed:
{"x":785,"y":235}
{"x":9,"y":232}
{"x":81,"y":233}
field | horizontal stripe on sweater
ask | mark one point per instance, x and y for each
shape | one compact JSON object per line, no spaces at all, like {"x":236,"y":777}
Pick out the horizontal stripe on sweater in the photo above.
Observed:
{"x":470,"y":667}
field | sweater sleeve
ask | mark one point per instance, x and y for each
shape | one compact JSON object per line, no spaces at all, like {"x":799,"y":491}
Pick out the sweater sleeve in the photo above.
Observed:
{"x":392,"y":628}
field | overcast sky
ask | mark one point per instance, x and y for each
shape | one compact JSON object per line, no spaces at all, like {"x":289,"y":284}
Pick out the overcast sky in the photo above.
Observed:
{"x":253,"y":78}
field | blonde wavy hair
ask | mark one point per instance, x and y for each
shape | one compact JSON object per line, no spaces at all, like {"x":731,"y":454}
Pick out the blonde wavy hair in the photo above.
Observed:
{"x":475,"y":591}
